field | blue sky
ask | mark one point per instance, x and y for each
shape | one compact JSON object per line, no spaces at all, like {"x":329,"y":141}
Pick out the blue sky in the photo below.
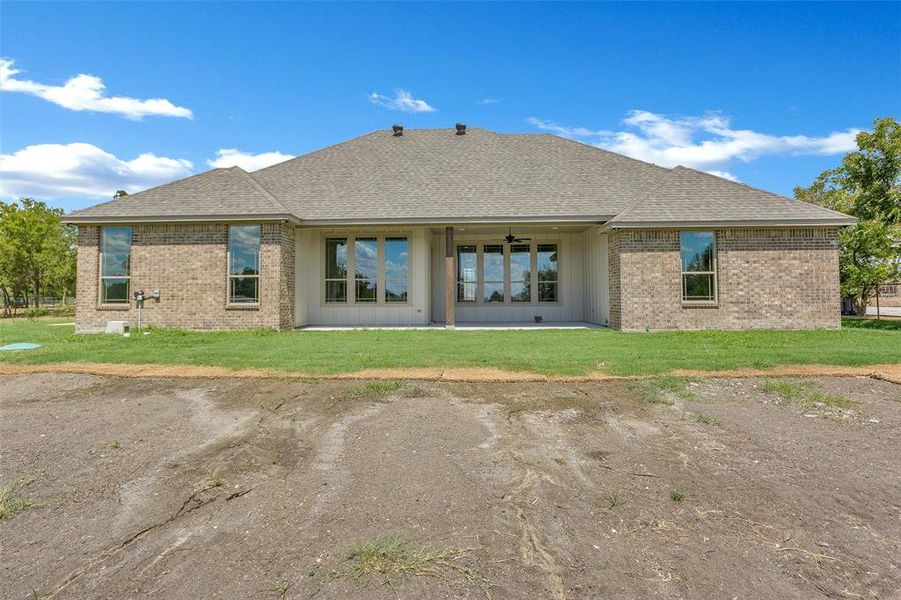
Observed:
{"x":767,"y":93}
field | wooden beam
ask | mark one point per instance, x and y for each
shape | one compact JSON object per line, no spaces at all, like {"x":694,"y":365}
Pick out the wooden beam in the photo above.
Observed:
{"x":450,"y":277}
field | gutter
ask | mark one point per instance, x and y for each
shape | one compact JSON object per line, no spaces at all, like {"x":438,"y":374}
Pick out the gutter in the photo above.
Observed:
{"x":738,"y":224}
{"x":84,"y":220}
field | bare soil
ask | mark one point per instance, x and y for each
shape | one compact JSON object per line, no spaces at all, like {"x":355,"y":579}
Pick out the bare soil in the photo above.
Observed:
{"x":888,"y":372}
{"x":253,"y":488}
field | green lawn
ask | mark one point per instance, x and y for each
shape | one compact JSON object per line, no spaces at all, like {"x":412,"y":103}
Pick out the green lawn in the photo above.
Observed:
{"x":550,"y":352}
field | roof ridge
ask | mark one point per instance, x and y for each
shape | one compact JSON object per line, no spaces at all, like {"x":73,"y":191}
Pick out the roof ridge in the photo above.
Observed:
{"x":266,"y":193}
{"x":320,"y":150}
{"x":598,"y":148}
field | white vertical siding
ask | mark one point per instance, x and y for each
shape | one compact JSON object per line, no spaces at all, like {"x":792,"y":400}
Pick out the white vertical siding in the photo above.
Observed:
{"x":597,"y":290}
{"x":311,"y":308}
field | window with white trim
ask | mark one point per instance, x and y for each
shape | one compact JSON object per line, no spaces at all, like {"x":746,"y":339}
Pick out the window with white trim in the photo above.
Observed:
{"x":115,"y":264}
{"x":366,"y":269}
{"x":493,"y":273}
{"x":396,"y":260}
{"x":374,"y":268}
{"x":520,"y":273}
{"x":490,"y":273}
{"x":547,"y":272}
{"x":243,"y":264}
{"x":336,"y":270}
{"x":467,"y":273}
{"x":698,"y":253}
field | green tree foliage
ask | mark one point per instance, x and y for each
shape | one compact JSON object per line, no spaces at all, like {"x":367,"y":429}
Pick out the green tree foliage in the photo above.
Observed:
{"x":37,"y":252}
{"x":866,"y":185}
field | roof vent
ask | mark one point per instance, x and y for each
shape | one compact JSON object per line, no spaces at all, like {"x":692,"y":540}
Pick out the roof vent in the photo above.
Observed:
{"x":461,"y":128}
{"x":398,"y":129}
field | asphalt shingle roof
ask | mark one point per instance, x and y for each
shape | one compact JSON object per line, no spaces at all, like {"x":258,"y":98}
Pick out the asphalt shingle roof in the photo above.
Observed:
{"x":435,"y":174}
{"x":219,"y":192}
{"x":686,"y":196}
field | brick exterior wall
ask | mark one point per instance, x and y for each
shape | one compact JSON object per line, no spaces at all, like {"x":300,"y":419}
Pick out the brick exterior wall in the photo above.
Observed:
{"x":187,"y":263}
{"x":767,"y":279}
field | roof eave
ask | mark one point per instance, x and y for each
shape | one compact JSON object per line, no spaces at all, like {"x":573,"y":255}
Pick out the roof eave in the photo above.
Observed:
{"x":732,"y":224}
{"x":595,"y":219}
{"x":100,"y":220}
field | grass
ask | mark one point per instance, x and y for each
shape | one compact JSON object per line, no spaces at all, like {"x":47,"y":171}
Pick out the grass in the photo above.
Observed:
{"x":389,"y":557}
{"x":550,"y":352}
{"x":807,"y":393}
{"x":281,"y":584}
{"x":214,"y":480}
{"x":870,"y":323}
{"x":613,"y":500}
{"x":706,"y":419}
{"x":659,"y":389}
{"x":677,"y":495}
{"x":11,"y":503}
{"x":374,"y":389}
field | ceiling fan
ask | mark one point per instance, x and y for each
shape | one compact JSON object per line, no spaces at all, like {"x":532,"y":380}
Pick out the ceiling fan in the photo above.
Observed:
{"x":512,"y":239}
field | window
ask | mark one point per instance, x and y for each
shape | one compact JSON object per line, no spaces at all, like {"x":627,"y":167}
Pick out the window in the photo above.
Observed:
{"x":367,"y":265}
{"x":336,"y":270}
{"x":698,"y":266}
{"x":243,"y":264}
{"x":115,"y":264}
{"x":467,"y":280}
{"x":493,"y":272}
{"x":547,"y":272}
{"x":366,"y":260}
{"x":396,"y":269}
{"x":520,"y":273}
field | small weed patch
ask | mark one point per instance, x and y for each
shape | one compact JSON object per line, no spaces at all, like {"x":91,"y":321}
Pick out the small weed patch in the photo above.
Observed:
{"x":214,"y":480}
{"x":280,"y":584}
{"x":677,"y":495}
{"x":390,"y":557}
{"x":706,"y":419}
{"x":613,"y":500}
{"x":374,"y":389}
{"x":659,"y":389}
{"x":809,"y":394}
{"x":793,"y":390}
{"x":12,"y":504}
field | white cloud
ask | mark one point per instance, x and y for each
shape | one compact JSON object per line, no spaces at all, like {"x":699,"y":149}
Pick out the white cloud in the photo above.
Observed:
{"x":229,"y":157}
{"x":724,"y":175}
{"x":50,"y":171}
{"x":703,"y":142}
{"x":489,"y":101}
{"x":402,"y":101}
{"x":86,"y":92}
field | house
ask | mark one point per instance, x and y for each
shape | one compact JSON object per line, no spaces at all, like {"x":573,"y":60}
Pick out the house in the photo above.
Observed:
{"x":457,"y":225}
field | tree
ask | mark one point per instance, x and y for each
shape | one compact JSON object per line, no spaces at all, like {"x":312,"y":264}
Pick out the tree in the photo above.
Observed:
{"x":866,"y":185}
{"x":36,"y":251}
{"x":120,"y":194}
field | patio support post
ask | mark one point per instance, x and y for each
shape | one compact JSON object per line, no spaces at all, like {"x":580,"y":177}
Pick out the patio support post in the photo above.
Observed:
{"x":450,"y":276}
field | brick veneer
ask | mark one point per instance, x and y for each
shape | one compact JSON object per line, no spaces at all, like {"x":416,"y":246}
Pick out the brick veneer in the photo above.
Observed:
{"x":767,"y":278}
{"x":187,"y":263}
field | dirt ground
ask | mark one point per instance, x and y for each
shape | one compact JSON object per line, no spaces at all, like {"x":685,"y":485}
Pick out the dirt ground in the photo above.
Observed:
{"x":254,"y":488}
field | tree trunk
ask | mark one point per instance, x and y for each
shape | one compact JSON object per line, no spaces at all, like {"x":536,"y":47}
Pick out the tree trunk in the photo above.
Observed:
{"x":860,"y":306}
{"x":7,"y":312}
{"x":37,"y":291}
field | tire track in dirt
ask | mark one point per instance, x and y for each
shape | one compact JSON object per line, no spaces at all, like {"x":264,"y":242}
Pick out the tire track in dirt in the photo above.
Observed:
{"x":533,"y":551}
{"x":237,"y":432}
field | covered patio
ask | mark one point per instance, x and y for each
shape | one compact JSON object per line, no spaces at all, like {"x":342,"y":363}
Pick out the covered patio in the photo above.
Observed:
{"x":504,"y":275}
